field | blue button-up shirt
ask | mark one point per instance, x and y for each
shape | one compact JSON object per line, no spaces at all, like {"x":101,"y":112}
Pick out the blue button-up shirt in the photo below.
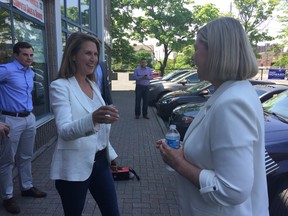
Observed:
{"x":139,"y":73}
{"x":16,"y":85}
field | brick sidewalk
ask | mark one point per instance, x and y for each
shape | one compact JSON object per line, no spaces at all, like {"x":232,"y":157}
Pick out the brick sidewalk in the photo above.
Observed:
{"x":134,"y":141}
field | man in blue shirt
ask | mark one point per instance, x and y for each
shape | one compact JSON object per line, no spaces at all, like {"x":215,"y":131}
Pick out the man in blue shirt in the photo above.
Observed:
{"x":102,"y":81}
{"x":142,"y":74}
{"x":16,"y":85}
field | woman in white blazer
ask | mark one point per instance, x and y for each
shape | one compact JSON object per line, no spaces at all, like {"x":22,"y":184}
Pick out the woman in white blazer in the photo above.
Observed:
{"x":221,"y":165}
{"x":83,"y":152}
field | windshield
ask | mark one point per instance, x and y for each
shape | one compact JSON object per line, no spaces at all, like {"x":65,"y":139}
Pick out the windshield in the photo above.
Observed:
{"x":174,"y":74}
{"x":181,"y":76}
{"x":278,"y":105}
{"x":199,"y":86}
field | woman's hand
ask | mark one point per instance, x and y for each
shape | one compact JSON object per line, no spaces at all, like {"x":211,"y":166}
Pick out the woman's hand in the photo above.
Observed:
{"x":170,"y":156}
{"x":105,"y":115}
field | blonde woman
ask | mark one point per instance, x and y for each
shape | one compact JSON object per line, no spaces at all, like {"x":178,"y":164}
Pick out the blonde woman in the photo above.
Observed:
{"x":222,"y":163}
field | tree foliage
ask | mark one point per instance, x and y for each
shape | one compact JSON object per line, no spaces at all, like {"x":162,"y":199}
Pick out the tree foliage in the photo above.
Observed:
{"x":170,"y":22}
{"x":174,"y":23}
{"x":122,"y":52}
{"x":253,"y":14}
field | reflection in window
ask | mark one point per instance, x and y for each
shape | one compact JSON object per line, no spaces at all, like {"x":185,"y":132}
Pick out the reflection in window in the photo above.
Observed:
{"x":33,"y":33}
{"x":85,"y":13}
{"x":62,"y":7}
{"x":72,"y":28}
{"x":73,"y":10}
{"x":64,"y":39}
{"x":5,"y":37}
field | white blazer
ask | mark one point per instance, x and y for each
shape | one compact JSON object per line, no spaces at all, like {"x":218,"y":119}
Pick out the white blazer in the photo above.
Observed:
{"x":77,"y":135}
{"x":226,"y":140}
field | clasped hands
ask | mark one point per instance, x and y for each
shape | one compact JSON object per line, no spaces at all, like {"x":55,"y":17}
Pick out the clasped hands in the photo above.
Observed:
{"x":105,"y":115}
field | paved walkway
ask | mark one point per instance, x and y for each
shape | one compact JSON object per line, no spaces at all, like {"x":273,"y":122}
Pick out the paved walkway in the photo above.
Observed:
{"x":134,"y":141}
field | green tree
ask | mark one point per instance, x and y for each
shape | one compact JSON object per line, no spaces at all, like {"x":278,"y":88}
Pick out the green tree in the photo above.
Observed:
{"x":253,"y":14}
{"x":122,"y":52}
{"x":283,"y":19}
{"x":169,"y":21}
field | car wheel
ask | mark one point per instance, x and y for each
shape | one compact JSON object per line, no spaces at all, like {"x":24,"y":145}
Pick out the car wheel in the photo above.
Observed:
{"x":279,"y":200}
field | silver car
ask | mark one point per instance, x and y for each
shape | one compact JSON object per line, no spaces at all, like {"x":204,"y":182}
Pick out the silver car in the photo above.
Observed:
{"x":158,"y":89}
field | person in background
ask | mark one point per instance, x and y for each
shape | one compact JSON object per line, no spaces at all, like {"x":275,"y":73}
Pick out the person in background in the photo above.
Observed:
{"x":103,"y":82}
{"x":101,"y":78}
{"x":83,"y":152}
{"x":221,"y":165}
{"x":16,"y":85}
{"x":142,"y":74}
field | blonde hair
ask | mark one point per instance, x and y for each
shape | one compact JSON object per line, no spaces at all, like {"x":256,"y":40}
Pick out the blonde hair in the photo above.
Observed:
{"x":73,"y":45}
{"x":230,"y":55}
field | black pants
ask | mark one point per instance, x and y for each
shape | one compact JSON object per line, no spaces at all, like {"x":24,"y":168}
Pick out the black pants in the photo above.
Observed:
{"x":101,"y":186}
{"x":141,"y":93}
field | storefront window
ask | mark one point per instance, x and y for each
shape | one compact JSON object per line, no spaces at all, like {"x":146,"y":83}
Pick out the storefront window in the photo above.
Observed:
{"x":5,"y":37}
{"x":72,"y":28}
{"x":85,"y":13}
{"x":25,"y":30}
{"x":73,"y":10}
{"x":76,"y":15}
{"x":62,"y":7}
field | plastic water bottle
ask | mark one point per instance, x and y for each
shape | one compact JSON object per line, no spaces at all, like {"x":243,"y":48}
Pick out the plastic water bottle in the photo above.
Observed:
{"x":172,"y":138}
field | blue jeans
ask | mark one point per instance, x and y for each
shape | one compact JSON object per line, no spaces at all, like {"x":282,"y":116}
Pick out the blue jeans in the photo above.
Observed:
{"x":101,"y":186}
{"x":141,"y":94}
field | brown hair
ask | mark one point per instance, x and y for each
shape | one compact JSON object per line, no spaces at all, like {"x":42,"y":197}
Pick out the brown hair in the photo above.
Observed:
{"x":73,"y":45}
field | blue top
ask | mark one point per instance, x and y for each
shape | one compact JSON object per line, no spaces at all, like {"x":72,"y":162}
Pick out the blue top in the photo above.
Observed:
{"x":99,"y":77}
{"x":16,"y":85}
{"x":139,"y":73}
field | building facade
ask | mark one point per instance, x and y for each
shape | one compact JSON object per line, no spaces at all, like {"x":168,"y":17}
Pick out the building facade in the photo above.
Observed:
{"x":46,"y":25}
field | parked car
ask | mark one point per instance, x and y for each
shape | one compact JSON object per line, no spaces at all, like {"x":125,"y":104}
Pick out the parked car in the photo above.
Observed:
{"x":276,"y":142}
{"x":170,"y":75}
{"x":183,"y":115}
{"x":157,"y":90}
{"x":197,"y":93}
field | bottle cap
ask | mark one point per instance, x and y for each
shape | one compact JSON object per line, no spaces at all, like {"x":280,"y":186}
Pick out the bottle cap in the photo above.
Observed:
{"x":172,"y":126}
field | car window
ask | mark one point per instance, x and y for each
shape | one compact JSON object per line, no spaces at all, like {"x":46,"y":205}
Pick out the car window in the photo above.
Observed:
{"x":192,"y":78}
{"x":174,"y":74}
{"x":278,"y":104}
{"x":180,"y":77}
{"x":260,"y":92}
{"x":198,"y":86}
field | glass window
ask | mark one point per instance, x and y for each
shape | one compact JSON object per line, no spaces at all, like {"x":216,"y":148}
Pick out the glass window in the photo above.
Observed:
{"x":85,"y":13}
{"x":72,"y":28}
{"x":33,"y":33}
{"x":72,"y":10}
{"x":62,"y":7}
{"x":5,"y":37}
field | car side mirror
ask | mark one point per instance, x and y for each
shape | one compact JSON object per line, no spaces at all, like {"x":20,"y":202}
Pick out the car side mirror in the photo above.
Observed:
{"x":204,"y":92}
{"x":183,"y":82}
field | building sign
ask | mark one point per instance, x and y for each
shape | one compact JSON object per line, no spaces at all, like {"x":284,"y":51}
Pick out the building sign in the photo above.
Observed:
{"x":33,"y":8}
{"x":276,"y":73}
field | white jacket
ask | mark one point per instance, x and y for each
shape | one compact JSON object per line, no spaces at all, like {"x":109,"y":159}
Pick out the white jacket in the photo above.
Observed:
{"x":226,"y":140}
{"x":77,"y":135}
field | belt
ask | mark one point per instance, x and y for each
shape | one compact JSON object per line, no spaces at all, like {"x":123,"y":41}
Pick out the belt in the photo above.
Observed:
{"x":15,"y":114}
